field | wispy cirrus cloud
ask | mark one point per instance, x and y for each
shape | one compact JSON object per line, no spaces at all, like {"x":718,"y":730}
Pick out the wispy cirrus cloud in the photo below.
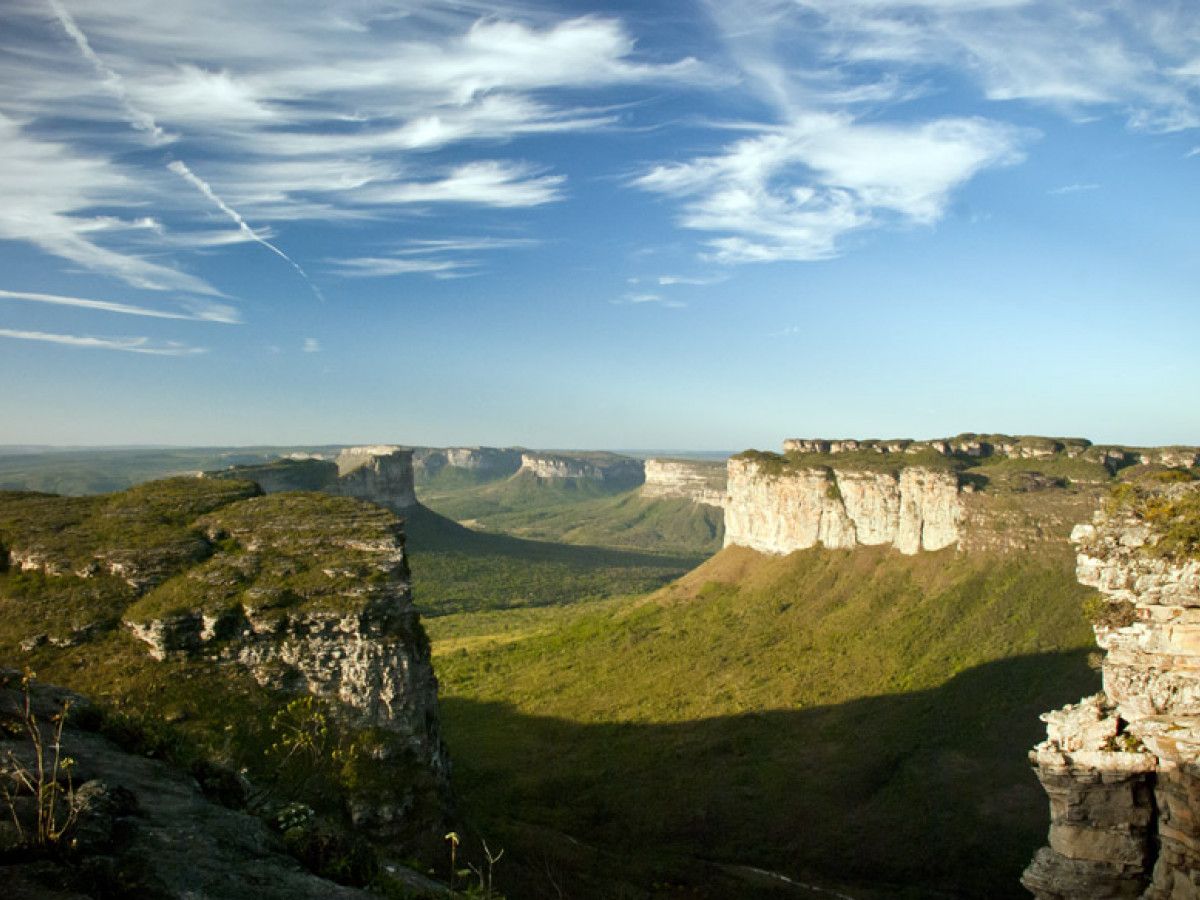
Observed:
{"x":311,"y":113}
{"x":841,"y":149}
{"x":197,"y":311}
{"x":642,"y":299}
{"x":142,"y":345}
{"x":1075,"y":188}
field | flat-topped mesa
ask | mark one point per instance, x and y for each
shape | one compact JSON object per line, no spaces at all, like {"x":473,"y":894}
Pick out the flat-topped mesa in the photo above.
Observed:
{"x":380,"y":474}
{"x":609,"y":469}
{"x":1123,"y":768}
{"x":487,"y":462}
{"x":695,"y":480}
{"x":969,"y":445}
{"x":777,"y":507}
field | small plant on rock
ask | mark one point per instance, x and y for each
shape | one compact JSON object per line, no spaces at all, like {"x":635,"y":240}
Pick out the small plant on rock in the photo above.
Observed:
{"x":54,"y":803}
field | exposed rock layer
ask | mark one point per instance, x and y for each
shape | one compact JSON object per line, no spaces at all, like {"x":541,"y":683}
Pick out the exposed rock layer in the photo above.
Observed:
{"x":779,"y":512}
{"x":700,"y":482}
{"x":1123,"y":768}
{"x":608,"y":469}
{"x":486,"y":462}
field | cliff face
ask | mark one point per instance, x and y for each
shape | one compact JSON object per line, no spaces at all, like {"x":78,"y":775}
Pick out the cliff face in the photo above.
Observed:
{"x":608,"y":469}
{"x":487,"y":462}
{"x":382,"y":475}
{"x":700,"y":482}
{"x":794,"y":509}
{"x":1122,"y":768}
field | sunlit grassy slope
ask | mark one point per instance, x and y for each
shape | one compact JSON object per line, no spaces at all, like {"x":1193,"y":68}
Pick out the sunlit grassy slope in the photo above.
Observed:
{"x":851,"y":716}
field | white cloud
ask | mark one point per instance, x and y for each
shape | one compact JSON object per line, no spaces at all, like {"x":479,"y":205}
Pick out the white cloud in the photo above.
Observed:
{"x":791,"y":193}
{"x":1074,"y":188}
{"x":383,"y":266}
{"x":311,"y":345}
{"x":696,"y":280}
{"x":48,"y":190}
{"x":141,"y":345}
{"x":198,"y":311}
{"x":634,"y":299}
{"x":484,"y":183}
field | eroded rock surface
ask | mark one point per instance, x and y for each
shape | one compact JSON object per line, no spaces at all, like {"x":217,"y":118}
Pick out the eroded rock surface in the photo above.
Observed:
{"x":1123,"y":768}
{"x":700,"y":482}
{"x":795,"y":508}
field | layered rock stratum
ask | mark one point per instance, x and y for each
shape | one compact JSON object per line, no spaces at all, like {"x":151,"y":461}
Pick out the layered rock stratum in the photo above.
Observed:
{"x":308,"y":594}
{"x":779,"y":508}
{"x":1122,"y":768}
{"x":608,"y":469}
{"x":485,"y":462}
{"x":380,"y":473}
{"x":700,"y":482}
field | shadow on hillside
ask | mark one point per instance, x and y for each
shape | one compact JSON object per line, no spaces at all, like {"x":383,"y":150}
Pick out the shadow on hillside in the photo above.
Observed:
{"x":928,"y":794}
{"x":429,"y":531}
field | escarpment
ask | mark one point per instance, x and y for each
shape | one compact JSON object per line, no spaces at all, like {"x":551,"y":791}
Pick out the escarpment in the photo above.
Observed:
{"x":700,"y":482}
{"x":380,"y":474}
{"x":481,"y":462}
{"x":1122,"y":768}
{"x":783,"y":508}
{"x":608,"y":469}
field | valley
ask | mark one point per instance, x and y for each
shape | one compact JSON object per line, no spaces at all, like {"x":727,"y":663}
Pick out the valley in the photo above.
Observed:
{"x":638,"y":698}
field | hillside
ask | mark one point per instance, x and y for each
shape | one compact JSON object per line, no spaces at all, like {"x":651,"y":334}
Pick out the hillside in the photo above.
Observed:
{"x":837,"y":716}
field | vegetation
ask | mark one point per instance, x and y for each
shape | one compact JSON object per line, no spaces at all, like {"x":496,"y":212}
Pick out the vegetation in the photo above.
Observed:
{"x":455,"y":569}
{"x":858,"y":715}
{"x":1165,"y":501}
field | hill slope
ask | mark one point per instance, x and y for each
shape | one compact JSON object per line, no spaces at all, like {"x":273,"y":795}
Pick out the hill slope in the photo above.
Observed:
{"x":859,"y":715}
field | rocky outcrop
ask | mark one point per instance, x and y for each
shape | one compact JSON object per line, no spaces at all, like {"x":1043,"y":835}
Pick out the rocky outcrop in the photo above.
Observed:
{"x":381,"y":474}
{"x":147,"y":829}
{"x":981,"y":446}
{"x":608,"y":469}
{"x":312,"y":595}
{"x":779,"y":509}
{"x":1123,"y":768}
{"x":700,"y":482}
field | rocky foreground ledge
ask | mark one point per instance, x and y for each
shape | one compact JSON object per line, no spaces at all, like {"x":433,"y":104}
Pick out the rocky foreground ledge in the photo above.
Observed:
{"x":1122,"y":768}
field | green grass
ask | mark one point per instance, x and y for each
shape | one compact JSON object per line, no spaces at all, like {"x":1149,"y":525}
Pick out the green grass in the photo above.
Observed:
{"x":861,"y":716}
{"x":456,"y":569}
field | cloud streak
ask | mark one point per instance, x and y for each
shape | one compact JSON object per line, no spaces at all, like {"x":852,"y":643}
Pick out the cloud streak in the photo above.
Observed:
{"x":142,"y":345}
{"x":208,"y":312}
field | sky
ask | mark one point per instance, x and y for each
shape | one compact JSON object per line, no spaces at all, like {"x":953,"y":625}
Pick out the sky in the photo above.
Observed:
{"x":699,"y":225}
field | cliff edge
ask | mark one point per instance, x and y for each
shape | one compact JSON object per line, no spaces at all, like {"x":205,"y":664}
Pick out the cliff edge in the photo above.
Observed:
{"x":1122,"y":768}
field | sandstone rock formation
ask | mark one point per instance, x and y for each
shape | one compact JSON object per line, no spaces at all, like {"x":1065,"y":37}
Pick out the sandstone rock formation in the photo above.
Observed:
{"x":608,"y":469}
{"x":381,"y":474}
{"x":1123,"y":768}
{"x":486,"y":462}
{"x":312,"y":597}
{"x":700,"y":482}
{"x":799,"y":507}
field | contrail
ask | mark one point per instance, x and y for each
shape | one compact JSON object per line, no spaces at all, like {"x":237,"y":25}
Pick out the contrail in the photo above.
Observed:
{"x":181,"y":169}
{"x":140,"y":119}
{"x":144,"y":121}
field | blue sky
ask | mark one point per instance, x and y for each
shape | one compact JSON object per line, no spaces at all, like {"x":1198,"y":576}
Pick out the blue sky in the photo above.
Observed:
{"x":694,"y":225}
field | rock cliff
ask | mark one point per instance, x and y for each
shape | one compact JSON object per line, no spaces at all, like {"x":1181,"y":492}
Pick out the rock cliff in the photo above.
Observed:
{"x":484,"y":462}
{"x":1122,"y":768}
{"x":380,"y":474}
{"x":778,"y":508}
{"x":700,"y":482}
{"x":608,"y":469}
